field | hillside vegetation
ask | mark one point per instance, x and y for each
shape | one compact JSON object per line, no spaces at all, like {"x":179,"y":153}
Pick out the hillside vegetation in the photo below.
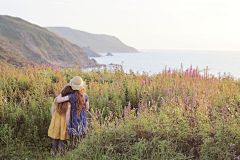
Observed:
{"x":175,"y":114}
{"x":12,"y":58}
{"x":37,"y":44}
{"x":99,"y":42}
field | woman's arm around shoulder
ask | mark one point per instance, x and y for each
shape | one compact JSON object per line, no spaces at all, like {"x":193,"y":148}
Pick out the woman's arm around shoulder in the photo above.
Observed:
{"x":61,"y":99}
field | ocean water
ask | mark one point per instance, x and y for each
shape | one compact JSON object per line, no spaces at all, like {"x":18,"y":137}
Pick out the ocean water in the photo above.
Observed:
{"x":154,"y":61}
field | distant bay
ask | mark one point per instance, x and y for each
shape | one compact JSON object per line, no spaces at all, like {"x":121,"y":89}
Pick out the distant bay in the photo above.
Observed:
{"x":154,"y":61}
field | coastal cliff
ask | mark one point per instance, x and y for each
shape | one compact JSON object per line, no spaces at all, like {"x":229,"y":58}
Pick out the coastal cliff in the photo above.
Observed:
{"x":90,"y":52}
{"x":99,"y":42}
{"x":38,"y":45}
{"x":12,"y":58}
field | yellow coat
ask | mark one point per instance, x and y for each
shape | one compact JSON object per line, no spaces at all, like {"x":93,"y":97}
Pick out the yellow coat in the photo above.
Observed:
{"x":58,"y":126}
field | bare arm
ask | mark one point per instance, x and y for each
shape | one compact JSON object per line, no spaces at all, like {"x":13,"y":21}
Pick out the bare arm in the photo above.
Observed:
{"x":53,"y":108}
{"x":86,"y":103}
{"x":61,"y":99}
{"x":68,"y":113}
{"x":87,"y":106}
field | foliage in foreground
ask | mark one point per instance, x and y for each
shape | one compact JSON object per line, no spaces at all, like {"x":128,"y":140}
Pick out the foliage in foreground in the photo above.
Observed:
{"x":173,"y":114}
{"x":161,"y":133}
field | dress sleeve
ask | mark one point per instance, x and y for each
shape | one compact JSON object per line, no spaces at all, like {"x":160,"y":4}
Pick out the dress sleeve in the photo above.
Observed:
{"x":86,"y":97}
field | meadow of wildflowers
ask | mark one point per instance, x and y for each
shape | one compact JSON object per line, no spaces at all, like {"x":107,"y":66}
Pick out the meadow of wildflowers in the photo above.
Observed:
{"x":175,"y":114}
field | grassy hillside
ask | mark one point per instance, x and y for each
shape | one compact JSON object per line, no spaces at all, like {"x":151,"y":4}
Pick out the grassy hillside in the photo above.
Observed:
{"x":37,"y":44}
{"x":99,"y":42}
{"x":12,"y":58}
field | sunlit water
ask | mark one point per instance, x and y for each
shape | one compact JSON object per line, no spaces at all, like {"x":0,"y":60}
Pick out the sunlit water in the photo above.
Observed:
{"x":154,"y":61}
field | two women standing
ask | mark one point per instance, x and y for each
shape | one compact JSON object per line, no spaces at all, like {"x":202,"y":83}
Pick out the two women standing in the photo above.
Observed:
{"x":69,"y":113}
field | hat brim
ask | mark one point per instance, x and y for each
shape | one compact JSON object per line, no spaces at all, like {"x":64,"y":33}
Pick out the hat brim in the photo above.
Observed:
{"x":77,"y":87}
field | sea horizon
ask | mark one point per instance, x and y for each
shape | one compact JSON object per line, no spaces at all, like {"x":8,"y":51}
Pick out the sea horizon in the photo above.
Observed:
{"x":223,"y":62}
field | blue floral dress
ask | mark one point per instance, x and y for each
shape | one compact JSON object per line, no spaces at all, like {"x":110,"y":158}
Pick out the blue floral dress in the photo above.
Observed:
{"x":77,"y":125}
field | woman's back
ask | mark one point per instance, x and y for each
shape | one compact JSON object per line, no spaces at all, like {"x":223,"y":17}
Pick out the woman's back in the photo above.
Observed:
{"x":77,"y":124}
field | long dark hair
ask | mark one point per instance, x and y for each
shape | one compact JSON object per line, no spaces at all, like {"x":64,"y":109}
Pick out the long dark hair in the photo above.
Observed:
{"x":62,"y":107}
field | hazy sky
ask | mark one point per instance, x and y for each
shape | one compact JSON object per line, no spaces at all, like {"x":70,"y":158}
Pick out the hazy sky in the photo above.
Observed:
{"x":143,"y":24}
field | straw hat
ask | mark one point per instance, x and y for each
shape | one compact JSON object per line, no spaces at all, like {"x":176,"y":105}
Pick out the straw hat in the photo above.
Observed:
{"x":77,"y":83}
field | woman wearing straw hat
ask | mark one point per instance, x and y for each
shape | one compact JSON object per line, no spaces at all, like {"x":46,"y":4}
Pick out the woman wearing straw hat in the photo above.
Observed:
{"x":77,"y":125}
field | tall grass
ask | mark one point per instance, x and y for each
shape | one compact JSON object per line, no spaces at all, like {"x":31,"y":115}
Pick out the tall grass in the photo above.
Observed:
{"x":175,"y":114}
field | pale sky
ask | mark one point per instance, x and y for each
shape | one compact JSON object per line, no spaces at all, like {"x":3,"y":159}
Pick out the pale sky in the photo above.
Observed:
{"x":143,"y":24}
